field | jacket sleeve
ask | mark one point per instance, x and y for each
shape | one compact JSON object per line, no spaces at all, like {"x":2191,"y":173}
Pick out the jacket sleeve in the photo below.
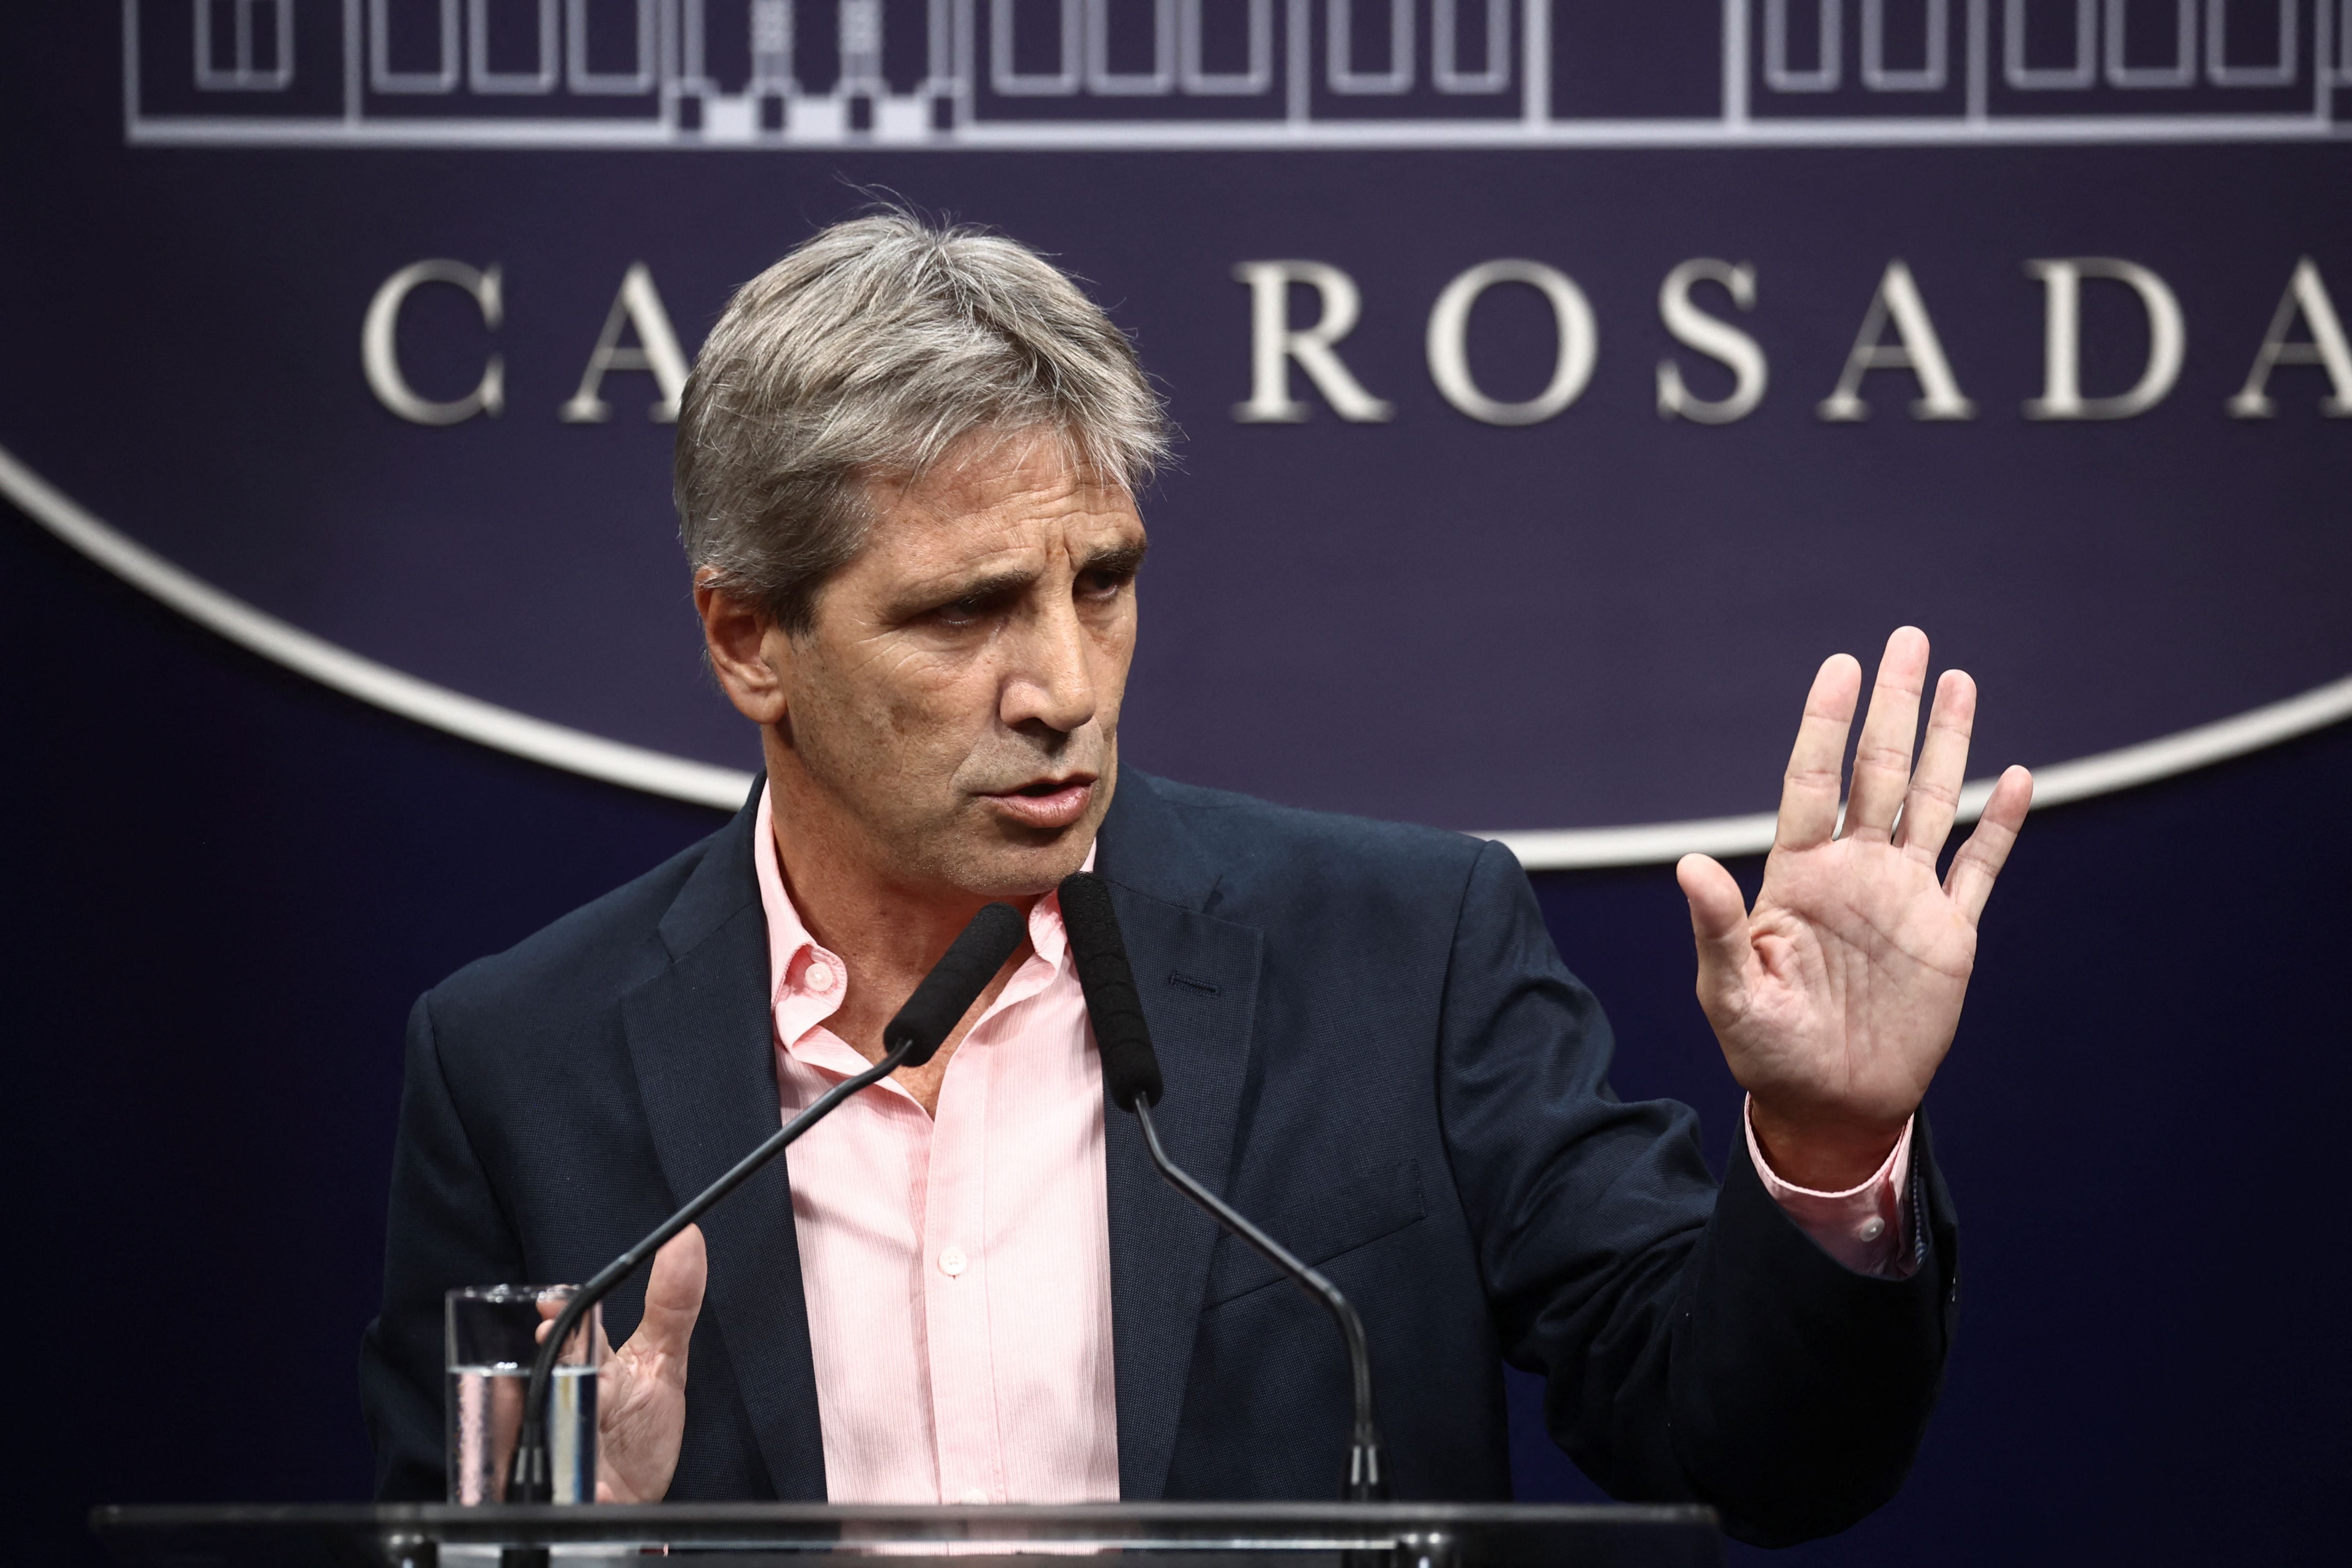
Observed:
{"x":1696,"y":1345}
{"x":444,"y":1229}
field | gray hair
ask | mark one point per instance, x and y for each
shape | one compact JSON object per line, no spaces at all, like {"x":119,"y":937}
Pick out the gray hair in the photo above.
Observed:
{"x":866,"y":354}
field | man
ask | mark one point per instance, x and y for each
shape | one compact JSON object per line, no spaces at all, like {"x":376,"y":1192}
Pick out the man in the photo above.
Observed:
{"x":906,"y":469}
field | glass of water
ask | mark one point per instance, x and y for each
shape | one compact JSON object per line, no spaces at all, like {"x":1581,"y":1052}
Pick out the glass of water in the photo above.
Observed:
{"x":492,"y":1337}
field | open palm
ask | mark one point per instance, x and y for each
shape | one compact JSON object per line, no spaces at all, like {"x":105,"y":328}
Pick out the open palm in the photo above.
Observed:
{"x":1836,"y":996}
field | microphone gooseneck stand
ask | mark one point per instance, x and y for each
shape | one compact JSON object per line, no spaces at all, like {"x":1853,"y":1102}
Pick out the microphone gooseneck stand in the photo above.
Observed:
{"x":1365,"y":1482}
{"x":529,"y":1481}
{"x":913,"y":1038}
{"x":1131,"y":1073}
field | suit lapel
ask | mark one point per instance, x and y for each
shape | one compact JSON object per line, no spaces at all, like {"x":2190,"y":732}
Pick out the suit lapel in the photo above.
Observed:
{"x":702,"y":1041}
{"x":1198,"y":979}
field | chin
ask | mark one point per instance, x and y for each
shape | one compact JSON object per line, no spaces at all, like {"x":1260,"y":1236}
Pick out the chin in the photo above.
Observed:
{"x":996,"y":862}
{"x":1024,"y":873}
{"x":987,"y":854}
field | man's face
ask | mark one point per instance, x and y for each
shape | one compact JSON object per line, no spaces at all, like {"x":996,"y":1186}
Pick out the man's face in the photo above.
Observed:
{"x":955,"y":706}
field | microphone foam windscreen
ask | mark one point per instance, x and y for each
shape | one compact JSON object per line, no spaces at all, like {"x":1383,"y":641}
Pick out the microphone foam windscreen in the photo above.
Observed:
{"x":1130,"y":1067}
{"x":956,"y":982}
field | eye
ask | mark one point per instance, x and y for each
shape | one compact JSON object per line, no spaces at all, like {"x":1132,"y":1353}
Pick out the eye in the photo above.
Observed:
{"x":962,"y":612}
{"x":1103,"y":584}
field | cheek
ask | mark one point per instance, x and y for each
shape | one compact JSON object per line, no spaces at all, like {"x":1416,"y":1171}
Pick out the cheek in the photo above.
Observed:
{"x":852,"y":719}
{"x":1114,"y":650}
{"x":935,"y":711}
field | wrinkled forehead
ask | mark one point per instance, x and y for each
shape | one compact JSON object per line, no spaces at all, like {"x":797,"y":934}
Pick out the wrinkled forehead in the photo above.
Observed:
{"x":995,"y":491}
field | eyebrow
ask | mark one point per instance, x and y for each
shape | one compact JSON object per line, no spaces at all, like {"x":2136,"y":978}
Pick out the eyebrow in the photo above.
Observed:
{"x":1119,"y":560}
{"x":987,"y":587}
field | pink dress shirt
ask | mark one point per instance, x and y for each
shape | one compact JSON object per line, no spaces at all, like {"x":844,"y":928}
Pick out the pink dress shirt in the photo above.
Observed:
{"x":957,"y":1270}
{"x":1865,"y":1228}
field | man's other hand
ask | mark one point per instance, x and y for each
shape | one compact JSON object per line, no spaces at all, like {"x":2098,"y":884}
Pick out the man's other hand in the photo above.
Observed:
{"x":1837,"y":995}
{"x":641,"y":1387}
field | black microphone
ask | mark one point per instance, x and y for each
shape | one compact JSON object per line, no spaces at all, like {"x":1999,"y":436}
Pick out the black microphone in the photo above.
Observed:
{"x":912,"y":1038}
{"x":1131,"y":1073}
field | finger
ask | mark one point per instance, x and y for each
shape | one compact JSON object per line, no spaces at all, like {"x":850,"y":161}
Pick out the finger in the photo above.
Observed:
{"x":1882,"y":761}
{"x":552,"y":1308}
{"x":1980,"y":860}
{"x":1935,"y":798}
{"x":1809,"y":790}
{"x":1719,"y":930}
{"x":673,"y":1298}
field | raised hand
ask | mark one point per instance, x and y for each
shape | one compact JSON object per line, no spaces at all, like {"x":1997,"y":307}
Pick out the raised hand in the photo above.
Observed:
{"x":1835,"y":998}
{"x":641,"y":1387}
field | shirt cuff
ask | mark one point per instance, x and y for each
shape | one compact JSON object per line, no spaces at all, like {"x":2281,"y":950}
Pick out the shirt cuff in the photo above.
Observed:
{"x":1865,"y":1228}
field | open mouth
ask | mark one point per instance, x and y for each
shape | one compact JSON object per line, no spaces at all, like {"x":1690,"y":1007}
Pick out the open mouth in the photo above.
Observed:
{"x":1046,"y":803}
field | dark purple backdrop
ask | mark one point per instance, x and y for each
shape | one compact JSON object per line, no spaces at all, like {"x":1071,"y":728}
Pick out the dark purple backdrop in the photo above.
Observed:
{"x":1600,"y":619}
{"x":229,"y":884}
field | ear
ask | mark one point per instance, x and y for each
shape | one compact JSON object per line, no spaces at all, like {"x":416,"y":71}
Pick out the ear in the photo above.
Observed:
{"x":744,"y":645}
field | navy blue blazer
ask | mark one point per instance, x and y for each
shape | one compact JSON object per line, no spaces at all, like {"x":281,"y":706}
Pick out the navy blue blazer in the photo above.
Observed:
{"x":1370,"y":1046}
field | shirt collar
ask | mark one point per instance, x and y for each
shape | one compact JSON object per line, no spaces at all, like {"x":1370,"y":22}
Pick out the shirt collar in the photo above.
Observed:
{"x":806,"y":983}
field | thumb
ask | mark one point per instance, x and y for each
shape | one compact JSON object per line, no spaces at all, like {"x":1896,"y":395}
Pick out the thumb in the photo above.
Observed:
{"x":1719,"y":928}
{"x":673,"y":1298}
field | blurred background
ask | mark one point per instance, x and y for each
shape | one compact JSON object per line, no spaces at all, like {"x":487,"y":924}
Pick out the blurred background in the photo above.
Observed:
{"x":1561,"y":381}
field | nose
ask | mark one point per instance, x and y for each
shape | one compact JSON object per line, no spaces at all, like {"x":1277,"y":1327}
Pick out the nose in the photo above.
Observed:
{"x":1051,"y":682}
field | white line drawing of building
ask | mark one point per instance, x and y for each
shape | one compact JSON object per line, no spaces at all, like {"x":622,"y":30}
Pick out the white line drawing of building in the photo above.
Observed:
{"x":1227,"y":74}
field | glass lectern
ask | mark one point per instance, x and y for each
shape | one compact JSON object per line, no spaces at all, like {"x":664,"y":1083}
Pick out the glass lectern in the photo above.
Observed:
{"x":797,"y":1535}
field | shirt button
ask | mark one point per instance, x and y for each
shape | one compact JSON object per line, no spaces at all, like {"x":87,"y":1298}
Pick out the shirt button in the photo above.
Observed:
{"x":1872,"y":1229}
{"x":818,"y":977}
{"x":952,"y":1262}
{"x":975,"y":1497}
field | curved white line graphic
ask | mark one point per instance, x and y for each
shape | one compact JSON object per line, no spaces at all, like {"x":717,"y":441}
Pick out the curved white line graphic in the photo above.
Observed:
{"x":659,"y":772}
